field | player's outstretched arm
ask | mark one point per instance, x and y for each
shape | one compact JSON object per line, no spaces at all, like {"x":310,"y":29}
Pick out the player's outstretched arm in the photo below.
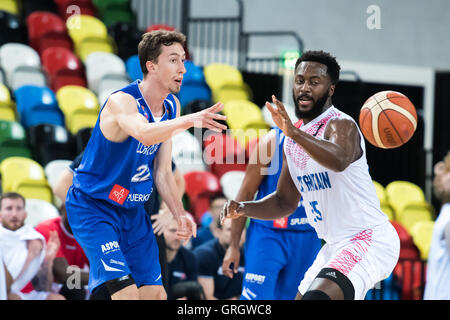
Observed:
{"x":279,"y":204}
{"x":339,"y":148}
{"x":120,"y":119}
{"x":253,"y":176}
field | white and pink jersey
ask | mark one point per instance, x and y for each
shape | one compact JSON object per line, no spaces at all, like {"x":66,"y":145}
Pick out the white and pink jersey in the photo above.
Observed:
{"x":338,"y":205}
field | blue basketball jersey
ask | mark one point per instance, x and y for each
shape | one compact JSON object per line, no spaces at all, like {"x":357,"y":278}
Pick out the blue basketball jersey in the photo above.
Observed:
{"x":297,"y":220}
{"x":121,"y":173}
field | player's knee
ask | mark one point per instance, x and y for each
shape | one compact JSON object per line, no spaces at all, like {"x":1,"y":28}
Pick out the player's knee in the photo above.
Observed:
{"x":316,"y":295}
{"x":341,"y":280}
{"x":116,"y":285}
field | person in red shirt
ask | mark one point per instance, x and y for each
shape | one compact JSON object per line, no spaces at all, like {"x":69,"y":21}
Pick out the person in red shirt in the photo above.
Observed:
{"x":70,"y":267}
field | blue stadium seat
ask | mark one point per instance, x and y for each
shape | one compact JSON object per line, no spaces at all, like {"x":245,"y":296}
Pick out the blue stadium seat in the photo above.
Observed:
{"x":36,"y":105}
{"x":134,"y":68}
{"x":194,"y":85}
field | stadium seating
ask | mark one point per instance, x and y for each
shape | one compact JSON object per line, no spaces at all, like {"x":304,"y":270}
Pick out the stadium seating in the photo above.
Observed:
{"x":11,"y":6}
{"x":422,"y":232}
{"x":25,"y":176}
{"x":127,"y":37}
{"x":200,"y":186}
{"x":15,"y":55}
{"x":413,"y":212}
{"x":194,"y":86}
{"x":223,"y":153}
{"x":399,"y":193}
{"x":41,"y":22}
{"x":39,"y":210}
{"x":13,"y":28}
{"x":381,"y":192}
{"x":54,"y":169}
{"x":230,"y":183}
{"x":187,"y":152}
{"x":233,"y":91}
{"x":80,"y":107}
{"x":110,"y":83}
{"x":101,"y":64}
{"x":31,"y":6}
{"x":133,"y":68}
{"x":55,"y":59}
{"x":37,"y":105}
{"x":49,"y":142}
{"x":218,"y":74}
{"x":91,"y":44}
{"x":81,"y":27}
{"x":7,"y":109}
{"x":13,"y":140}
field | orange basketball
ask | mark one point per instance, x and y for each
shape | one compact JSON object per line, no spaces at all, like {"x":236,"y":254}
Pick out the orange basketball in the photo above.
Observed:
{"x":388,"y":119}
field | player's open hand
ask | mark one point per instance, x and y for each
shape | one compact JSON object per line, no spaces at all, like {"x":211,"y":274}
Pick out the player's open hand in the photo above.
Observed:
{"x":280,"y":116}
{"x":207,"y":118}
{"x":231,"y":210}
{"x":186,"y":228}
{"x":232,"y":256}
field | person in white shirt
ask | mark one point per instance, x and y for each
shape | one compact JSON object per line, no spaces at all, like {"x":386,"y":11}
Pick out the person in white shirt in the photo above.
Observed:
{"x":437,"y":286}
{"x":25,"y":254}
{"x":325,"y":162}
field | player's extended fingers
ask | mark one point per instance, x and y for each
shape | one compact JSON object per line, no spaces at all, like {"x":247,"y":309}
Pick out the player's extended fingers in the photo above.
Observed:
{"x":280,"y":106}
{"x":224,"y":213}
{"x":216,"y":108}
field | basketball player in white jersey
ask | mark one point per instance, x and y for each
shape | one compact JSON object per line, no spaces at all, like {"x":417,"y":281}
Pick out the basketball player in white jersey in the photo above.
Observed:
{"x":325,"y":162}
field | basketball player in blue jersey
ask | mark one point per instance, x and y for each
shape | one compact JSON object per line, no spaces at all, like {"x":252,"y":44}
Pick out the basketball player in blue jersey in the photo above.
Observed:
{"x":277,"y":252}
{"x":130,"y":147}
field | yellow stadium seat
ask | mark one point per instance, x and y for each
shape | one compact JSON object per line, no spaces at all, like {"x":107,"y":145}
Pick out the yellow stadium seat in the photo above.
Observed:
{"x":232,"y":91}
{"x":11,"y":6}
{"x":414,"y":212}
{"x":90,"y":45}
{"x":422,"y":233}
{"x":399,"y":193}
{"x":79,"y":105}
{"x":387,"y":209}
{"x":217,"y":74}
{"x":381,"y":192}
{"x":240,"y":113}
{"x":7,"y":105}
{"x":26,"y":177}
{"x":81,"y":27}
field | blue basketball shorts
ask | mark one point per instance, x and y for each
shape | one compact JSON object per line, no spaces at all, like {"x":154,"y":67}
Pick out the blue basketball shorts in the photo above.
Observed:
{"x":276,"y":261}
{"x":116,"y":241}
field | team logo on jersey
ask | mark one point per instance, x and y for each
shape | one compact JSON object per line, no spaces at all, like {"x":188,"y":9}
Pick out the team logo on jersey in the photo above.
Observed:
{"x":280,"y":223}
{"x":118,"y":194}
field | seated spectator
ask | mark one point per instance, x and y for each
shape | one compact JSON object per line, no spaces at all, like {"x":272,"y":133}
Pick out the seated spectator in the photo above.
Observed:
{"x":5,"y":280}
{"x":26,"y":255}
{"x":71,"y":266}
{"x":182,"y":264}
{"x":209,"y":257}
{"x":188,"y":290}
{"x":209,"y":221}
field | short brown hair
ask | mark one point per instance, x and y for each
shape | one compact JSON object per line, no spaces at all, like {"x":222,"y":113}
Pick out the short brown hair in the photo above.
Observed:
{"x":149,"y":48}
{"x":11,"y":195}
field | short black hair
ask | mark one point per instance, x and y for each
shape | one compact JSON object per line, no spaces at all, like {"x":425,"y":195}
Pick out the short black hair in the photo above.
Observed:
{"x":322,"y":57}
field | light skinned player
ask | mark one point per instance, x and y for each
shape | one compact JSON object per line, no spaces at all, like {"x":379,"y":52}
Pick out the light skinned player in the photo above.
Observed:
{"x":129,"y":147}
{"x":325,"y":162}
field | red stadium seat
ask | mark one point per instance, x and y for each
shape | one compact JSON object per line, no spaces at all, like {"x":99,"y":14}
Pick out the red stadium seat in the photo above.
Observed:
{"x":200,"y":186}
{"x":41,"y":22}
{"x":54,"y":39}
{"x":68,"y":77}
{"x":56,"y":59}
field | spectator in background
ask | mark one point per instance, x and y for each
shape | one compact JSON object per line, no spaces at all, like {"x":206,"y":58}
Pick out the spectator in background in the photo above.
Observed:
{"x":437,"y":286}
{"x":5,"y":279}
{"x":26,"y":256}
{"x":209,"y":257}
{"x":70,"y":267}
{"x":210,"y":220}
{"x":182,"y":264}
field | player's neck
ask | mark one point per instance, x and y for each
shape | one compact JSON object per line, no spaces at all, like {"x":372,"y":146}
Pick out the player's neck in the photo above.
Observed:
{"x":326,"y":106}
{"x":154,"y":94}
